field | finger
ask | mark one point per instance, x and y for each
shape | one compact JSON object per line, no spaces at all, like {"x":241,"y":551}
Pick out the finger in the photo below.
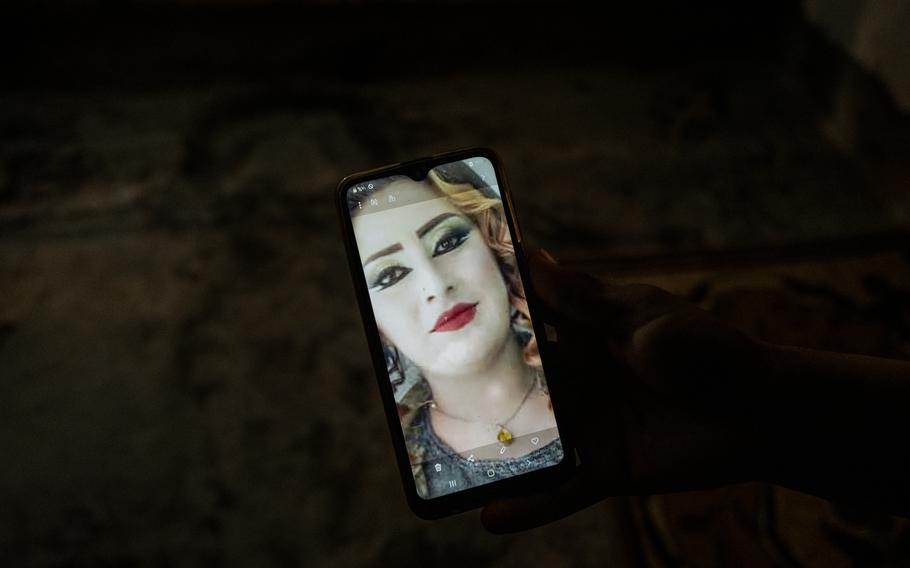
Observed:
{"x":516,"y":514}
{"x":568,"y":294}
{"x":548,"y":256}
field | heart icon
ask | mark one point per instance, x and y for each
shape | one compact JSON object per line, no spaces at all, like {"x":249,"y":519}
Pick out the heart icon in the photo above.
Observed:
{"x":535,"y":440}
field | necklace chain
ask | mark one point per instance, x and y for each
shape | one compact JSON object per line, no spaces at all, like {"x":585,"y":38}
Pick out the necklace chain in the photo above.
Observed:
{"x":433,"y":405}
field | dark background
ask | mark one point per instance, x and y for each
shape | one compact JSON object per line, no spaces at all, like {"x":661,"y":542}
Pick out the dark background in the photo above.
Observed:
{"x":184,"y":379}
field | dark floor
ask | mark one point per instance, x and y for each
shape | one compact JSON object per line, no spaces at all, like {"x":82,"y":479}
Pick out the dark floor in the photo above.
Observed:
{"x":183,"y":373}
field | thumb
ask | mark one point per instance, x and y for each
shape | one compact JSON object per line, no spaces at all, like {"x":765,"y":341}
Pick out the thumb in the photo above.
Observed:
{"x":570,"y":295}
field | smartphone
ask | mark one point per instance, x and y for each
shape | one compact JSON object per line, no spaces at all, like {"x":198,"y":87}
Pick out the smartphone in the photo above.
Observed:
{"x":463,"y":365}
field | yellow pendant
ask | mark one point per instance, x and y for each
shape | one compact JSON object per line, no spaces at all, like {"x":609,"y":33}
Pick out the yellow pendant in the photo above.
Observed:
{"x":504,"y":436}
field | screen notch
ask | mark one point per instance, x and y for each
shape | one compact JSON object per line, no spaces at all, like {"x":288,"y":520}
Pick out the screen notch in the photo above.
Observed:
{"x":418,"y":173}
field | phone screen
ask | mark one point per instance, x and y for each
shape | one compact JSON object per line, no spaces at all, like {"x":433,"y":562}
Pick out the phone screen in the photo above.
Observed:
{"x":453,"y":319}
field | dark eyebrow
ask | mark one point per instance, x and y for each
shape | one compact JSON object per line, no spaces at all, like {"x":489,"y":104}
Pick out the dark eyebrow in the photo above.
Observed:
{"x":423,"y":230}
{"x":428,"y":226}
{"x":387,"y":250}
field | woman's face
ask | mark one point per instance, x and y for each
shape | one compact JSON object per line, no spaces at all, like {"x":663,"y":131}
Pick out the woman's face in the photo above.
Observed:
{"x":436,"y":289}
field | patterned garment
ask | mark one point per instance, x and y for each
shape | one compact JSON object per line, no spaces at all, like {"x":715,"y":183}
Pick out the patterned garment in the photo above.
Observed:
{"x":439,"y":469}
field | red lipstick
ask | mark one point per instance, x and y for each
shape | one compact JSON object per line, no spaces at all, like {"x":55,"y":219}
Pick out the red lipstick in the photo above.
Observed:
{"x":456,"y":318}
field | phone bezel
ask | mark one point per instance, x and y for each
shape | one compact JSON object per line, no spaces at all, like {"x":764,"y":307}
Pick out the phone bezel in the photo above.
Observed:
{"x":472,"y":498}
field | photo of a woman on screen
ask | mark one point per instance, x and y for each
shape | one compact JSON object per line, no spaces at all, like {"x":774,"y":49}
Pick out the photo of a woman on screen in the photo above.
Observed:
{"x":449,"y":303}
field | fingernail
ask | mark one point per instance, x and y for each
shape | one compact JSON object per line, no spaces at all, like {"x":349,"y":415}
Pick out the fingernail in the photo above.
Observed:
{"x":546,"y":254}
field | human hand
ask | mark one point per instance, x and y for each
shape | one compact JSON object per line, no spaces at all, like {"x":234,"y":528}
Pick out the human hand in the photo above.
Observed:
{"x":652,"y":390}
